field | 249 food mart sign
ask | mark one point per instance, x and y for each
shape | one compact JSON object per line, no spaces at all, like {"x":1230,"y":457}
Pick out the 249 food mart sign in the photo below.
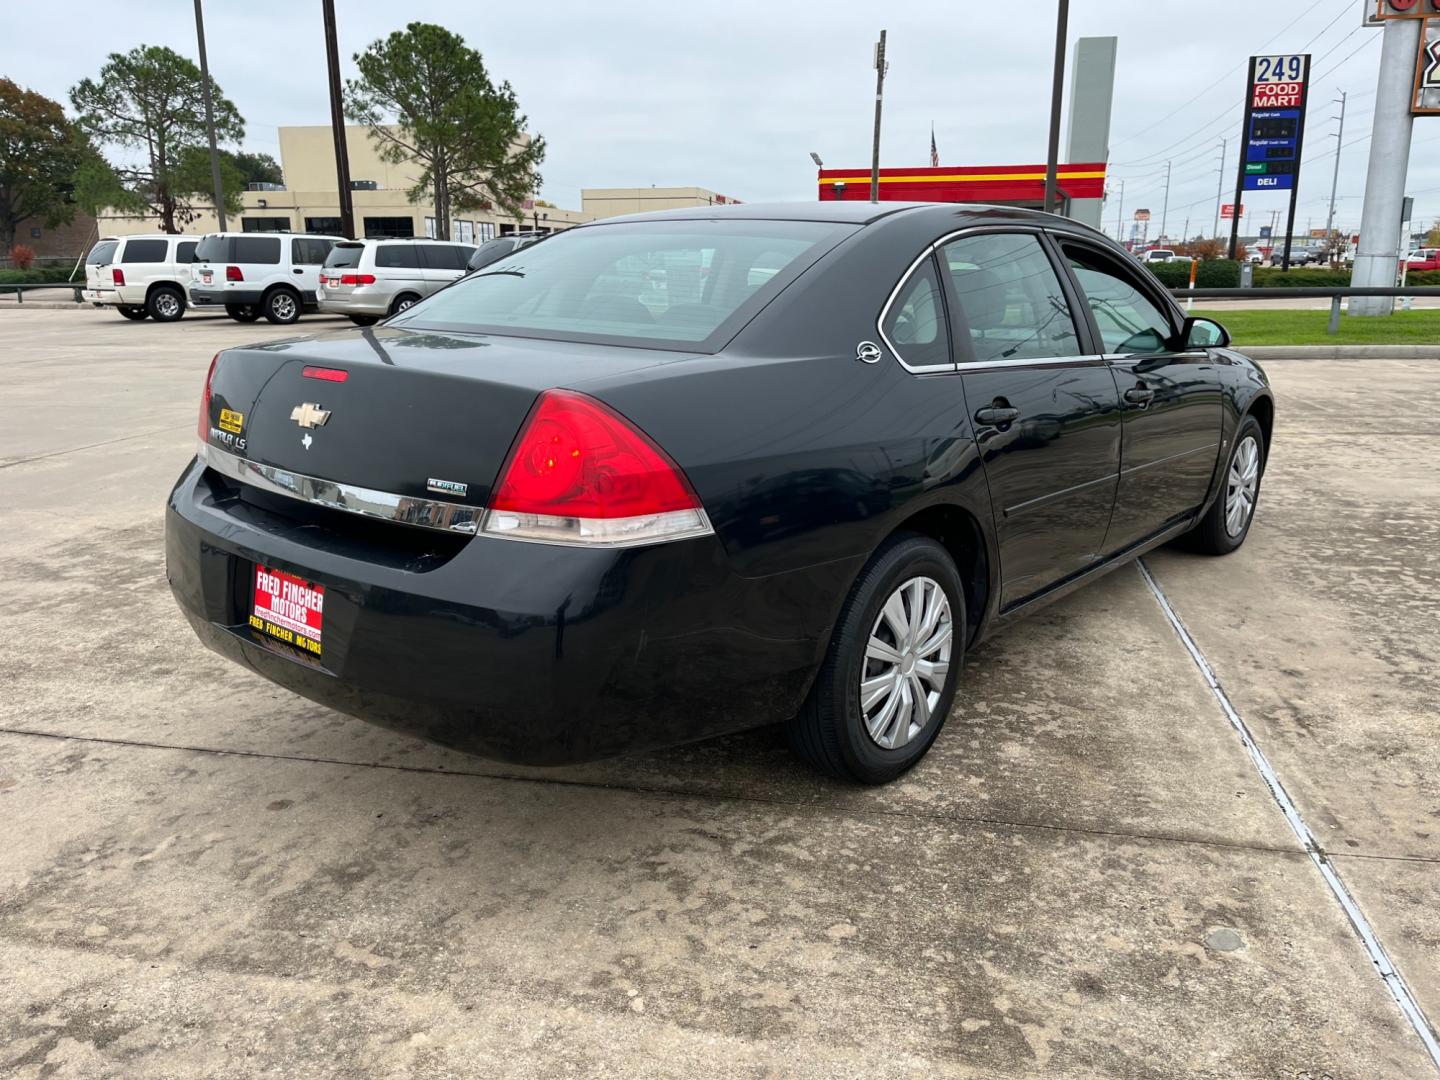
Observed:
{"x":1275,"y":121}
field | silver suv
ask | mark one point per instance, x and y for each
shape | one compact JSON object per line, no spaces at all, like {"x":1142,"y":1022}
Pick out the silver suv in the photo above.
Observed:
{"x":370,"y":279}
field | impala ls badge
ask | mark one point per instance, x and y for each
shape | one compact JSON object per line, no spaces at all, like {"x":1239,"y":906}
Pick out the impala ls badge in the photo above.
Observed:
{"x":309,"y":415}
{"x":867,"y":352}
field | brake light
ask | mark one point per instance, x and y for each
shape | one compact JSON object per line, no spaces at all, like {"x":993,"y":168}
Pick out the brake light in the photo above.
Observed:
{"x":329,"y":374}
{"x":232,"y":273}
{"x":118,"y":276}
{"x":205,"y":402}
{"x":357,"y":279}
{"x":580,"y":473}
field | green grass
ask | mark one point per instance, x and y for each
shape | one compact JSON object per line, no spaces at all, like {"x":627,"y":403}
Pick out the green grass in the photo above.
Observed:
{"x":1255,"y":327}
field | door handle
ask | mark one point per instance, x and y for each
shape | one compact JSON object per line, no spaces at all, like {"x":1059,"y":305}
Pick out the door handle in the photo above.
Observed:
{"x":1139,"y":395}
{"x":297,"y":270}
{"x":997,"y":415}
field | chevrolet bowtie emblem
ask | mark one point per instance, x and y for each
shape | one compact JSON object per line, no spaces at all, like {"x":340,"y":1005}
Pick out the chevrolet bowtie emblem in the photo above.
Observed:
{"x":310,"y":415}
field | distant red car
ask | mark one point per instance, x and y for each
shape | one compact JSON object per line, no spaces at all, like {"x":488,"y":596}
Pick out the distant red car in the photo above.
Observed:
{"x":1423,"y":259}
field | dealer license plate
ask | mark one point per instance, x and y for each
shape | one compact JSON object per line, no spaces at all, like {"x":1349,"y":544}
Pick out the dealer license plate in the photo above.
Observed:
{"x":206,"y":276}
{"x":288,"y":609}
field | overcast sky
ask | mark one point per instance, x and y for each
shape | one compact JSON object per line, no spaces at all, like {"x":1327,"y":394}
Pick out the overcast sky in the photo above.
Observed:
{"x":732,"y":96}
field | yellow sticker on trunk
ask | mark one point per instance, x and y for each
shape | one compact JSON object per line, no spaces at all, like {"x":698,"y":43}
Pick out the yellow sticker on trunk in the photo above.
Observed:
{"x":231,"y":421}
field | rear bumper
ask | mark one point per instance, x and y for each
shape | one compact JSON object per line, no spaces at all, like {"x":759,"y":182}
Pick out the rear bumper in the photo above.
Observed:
{"x":522,"y":652}
{"x":361,"y":300}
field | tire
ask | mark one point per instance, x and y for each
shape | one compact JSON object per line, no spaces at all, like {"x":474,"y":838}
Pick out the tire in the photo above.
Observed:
{"x":281,"y":306}
{"x":403,"y":301}
{"x":1218,"y":533}
{"x":364,"y":320}
{"x":165,"y":303}
{"x":134,"y":314}
{"x":833,"y":729}
{"x":242,"y":312}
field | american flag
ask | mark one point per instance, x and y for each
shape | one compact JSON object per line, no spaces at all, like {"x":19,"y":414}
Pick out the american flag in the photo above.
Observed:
{"x":934,"y":154}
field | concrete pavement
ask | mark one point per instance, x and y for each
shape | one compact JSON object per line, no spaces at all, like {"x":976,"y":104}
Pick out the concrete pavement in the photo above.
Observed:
{"x":202,"y":875}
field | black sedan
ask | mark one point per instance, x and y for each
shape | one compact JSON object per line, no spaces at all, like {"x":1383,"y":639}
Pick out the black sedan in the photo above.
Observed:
{"x":679,"y":474}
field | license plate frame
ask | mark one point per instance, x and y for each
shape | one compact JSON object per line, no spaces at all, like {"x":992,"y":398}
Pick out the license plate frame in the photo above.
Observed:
{"x":287,"y":608}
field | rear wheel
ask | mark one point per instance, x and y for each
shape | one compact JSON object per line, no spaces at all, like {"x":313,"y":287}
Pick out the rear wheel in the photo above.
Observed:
{"x":165,"y":303}
{"x":887,"y":682}
{"x":1227,"y":522}
{"x":403,"y":301}
{"x":364,"y":320}
{"x":282,"y":306}
{"x":242,"y":312}
{"x":131,"y":312}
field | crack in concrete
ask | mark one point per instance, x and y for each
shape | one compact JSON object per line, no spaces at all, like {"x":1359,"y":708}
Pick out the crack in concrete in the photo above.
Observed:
{"x":1389,"y":974}
{"x":91,"y":446}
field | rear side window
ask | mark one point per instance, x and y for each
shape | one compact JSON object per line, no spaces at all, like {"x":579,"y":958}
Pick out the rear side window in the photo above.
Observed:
{"x":914,"y":322}
{"x":397,"y":255}
{"x":345,"y":255}
{"x":680,"y":282}
{"x":308,"y":251}
{"x":256,"y":249}
{"x":145,"y":251}
{"x":185,"y":251}
{"x":444,"y":256}
{"x":102,"y":253}
{"x":1010,"y":298}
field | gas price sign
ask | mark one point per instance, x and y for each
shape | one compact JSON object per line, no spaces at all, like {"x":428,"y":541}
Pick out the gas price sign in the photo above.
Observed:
{"x":1274,"y":122}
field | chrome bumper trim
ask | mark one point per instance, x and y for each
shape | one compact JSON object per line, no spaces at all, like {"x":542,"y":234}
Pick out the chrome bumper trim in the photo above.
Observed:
{"x":401,"y":509}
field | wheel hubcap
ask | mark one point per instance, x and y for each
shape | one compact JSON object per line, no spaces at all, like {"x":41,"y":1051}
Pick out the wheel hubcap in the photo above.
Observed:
{"x":1242,"y":485}
{"x":284,"y":307}
{"x":403,"y":305}
{"x":167,"y":304}
{"x":907,"y":662}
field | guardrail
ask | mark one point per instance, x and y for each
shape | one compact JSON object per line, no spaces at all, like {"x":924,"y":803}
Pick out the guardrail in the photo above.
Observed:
{"x":20,"y":290}
{"x":1335,"y":294}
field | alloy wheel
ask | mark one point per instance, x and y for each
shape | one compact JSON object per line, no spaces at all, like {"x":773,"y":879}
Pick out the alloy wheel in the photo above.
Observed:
{"x":907,"y":662}
{"x":283,"y":307}
{"x":1242,"y":485}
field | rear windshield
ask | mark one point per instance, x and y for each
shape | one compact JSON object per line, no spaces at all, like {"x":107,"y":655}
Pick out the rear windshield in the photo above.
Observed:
{"x":213,"y":249}
{"x":682,"y":283}
{"x":345,"y":255}
{"x":102,"y":254}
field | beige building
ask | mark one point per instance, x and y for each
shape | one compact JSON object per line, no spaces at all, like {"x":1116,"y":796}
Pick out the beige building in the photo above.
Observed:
{"x":308,"y":200}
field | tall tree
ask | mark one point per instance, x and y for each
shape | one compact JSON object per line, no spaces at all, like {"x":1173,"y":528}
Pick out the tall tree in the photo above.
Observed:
{"x":255,"y":168}
{"x":427,"y":98}
{"x":151,"y":100}
{"x":40,"y":152}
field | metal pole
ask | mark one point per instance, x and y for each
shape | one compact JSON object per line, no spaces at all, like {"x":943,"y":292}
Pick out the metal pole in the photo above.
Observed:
{"x":337,"y":123}
{"x":1389,"y":157}
{"x":1120,"y":215}
{"x":210,"y":119}
{"x":1245,"y":134}
{"x":1220,"y":187}
{"x":1165,"y":207}
{"x":879,"y":96}
{"x":1335,"y":180}
{"x":1057,"y":93}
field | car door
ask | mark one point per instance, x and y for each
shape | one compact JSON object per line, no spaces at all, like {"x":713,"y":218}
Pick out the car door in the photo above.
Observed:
{"x":1170,"y":396}
{"x":398,"y":266}
{"x":307,"y":256}
{"x":441,"y":263}
{"x":1044,"y":404}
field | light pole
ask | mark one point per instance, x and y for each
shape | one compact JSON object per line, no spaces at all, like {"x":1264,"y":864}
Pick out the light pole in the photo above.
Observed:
{"x":1335,"y":178}
{"x":337,"y":128}
{"x":880,"y":66}
{"x":1165,"y":206}
{"x":210,"y":119}
{"x":1057,"y":93}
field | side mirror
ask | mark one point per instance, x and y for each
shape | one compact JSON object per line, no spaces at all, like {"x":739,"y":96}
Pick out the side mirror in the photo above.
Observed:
{"x":1203,"y":334}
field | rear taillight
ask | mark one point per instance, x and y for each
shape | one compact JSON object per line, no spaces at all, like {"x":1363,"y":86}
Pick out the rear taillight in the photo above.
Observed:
{"x":357,"y":279}
{"x":232,"y":273}
{"x":580,"y":473}
{"x":205,"y":402}
{"x":118,"y":276}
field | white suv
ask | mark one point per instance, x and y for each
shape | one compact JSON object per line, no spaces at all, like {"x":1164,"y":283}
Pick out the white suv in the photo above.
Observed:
{"x":370,"y":279}
{"x":254,"y":274}
{"x":140,"y":276}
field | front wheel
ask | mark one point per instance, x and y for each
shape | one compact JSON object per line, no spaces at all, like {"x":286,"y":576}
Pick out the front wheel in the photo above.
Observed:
{"x":1227,"y":522}
{"x":134,"y":314}
{"x":282,"y":307}
{"x":242,"y":312}
{"x":887,"y":682}
{"x":404,"y":302}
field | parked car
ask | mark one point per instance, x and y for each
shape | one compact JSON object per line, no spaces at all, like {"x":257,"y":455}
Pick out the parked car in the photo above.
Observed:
{"x":536,"y":518}
{"x":140,"y":276}
{"x":254,"y":274}
{"x":1159,"y":255}
{"x":370,"y":279}
{"x":1423,"y":259}
{"x":501,"y":246}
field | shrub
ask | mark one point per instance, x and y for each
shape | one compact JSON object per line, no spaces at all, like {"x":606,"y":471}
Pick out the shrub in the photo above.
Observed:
{"x":36,"y":275}
{"x":1173,"y":275}
{"x":1218,"y":274}
{"x":23,"y":257}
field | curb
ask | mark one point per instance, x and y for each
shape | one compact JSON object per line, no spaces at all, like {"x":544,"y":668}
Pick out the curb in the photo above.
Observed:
{"x":1341,"y":352}
{"x":44,"y":305}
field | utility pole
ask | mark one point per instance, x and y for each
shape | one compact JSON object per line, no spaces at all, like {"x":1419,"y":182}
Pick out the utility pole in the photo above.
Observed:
{"x":1120,"y":214}
{"x":337,"y":124}
{"x":210,"y":119}
{"x":1220,"y":187}
{"x":1335,"y":180}
{"x":1380,"y":224}
{"x":1165,"y":207}
{"x":1057,"y":94}
{"x":1185,"y":232}
{"x":880,"y":66}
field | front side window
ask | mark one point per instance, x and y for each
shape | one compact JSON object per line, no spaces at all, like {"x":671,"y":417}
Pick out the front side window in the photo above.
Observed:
{"x":1010,"y":297}
{"x":682,"y":282}
{"x":145,"y":251}
{"x":914,"y":325}
{"x":1130,"y":323}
